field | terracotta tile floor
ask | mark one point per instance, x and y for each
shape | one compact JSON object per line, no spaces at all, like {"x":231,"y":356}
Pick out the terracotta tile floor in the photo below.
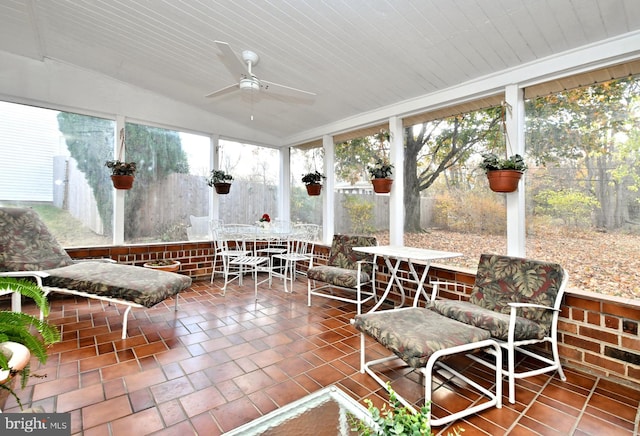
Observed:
{"x":220,"y":362}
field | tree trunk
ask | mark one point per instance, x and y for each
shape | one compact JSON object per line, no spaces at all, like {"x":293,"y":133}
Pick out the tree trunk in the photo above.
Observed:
{"x":411,"y":185}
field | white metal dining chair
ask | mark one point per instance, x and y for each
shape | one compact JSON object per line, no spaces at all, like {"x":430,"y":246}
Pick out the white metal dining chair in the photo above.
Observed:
{"x":248,"y":262}
{"x":300,"y":247}
{"x":230,"y":242}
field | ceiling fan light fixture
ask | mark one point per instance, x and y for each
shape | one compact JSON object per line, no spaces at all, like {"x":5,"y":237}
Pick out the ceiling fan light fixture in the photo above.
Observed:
{"x":249,"y":84}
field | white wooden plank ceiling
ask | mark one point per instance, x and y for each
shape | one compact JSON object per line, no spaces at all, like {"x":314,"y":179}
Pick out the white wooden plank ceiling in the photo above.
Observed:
{"x":356,"y":55}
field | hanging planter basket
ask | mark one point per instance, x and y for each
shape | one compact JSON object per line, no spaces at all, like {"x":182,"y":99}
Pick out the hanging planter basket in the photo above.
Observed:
{"x":122,"y":182}
{"x":314,"y":189}
{"x":222,"y":188}
{"x":504,"y":180}
{"x":382,"y":186}
{"x":122,"y":173}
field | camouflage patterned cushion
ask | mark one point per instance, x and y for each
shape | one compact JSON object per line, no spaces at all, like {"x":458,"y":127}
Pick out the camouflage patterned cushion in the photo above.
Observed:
{"x":341,"y":268}
{"x":414,"y":334}
{"x":496,"y":323}
{"x":141,"y":285}
{"x":346,"y":278}
{"x":26,"y":244}
{"x":342,"y":254}
{"x":501,"y":280}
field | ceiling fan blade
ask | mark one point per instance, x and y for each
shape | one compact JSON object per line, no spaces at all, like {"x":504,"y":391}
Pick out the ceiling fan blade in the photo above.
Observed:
{"x":277,"y":86}
{"x":231,"y":61}
{"x":225,"y":90}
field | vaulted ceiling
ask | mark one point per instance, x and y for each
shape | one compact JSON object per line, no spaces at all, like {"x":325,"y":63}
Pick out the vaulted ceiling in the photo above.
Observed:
{"x":357,"y":56}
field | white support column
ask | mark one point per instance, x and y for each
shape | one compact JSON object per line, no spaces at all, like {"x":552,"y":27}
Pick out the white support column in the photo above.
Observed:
{"x":329,"y":197}
{"x":284,"y":193}
{"x":214,"y":162}
{"x":516,"y":230}
{"x":118,"y":194}
{"x":396,"y":203}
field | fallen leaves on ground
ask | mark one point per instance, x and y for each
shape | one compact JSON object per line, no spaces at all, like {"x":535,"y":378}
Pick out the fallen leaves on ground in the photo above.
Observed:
{"x":605,"y":263}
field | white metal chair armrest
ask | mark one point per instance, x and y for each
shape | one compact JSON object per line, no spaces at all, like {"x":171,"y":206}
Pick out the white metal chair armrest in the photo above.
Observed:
{"x":435,"y":286}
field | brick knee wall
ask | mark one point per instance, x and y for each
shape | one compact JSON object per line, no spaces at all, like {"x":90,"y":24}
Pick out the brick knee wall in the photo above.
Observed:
{"x":196,"y":258}
{"x":596,"y":333}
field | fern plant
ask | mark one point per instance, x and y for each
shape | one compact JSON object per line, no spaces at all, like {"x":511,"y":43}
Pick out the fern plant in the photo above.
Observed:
{"x":35,"y":334}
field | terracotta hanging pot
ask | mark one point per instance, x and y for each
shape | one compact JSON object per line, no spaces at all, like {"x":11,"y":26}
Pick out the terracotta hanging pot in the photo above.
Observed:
{"x":122,"y":182}
{"x":504,"y":180}
{"x":314,"y":188}
{"x":222,"y":188}
{"x":382,"y":186}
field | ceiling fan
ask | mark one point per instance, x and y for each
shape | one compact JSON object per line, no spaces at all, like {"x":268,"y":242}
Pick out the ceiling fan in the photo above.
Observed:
{"x":247,"y":80}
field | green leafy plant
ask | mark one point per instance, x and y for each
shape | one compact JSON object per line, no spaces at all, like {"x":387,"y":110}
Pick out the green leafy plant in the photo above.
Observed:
{"x":395,"y":420}
{"x":313,"y":178}
{"x":491,"y":162}
{"x":219,"y":176}
{"x":25,"y":329}
{"x":120,"y":168}
{"x":380,"y":169}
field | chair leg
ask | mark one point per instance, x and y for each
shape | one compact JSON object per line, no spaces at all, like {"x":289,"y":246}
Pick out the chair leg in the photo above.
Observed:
{"x":287,"y":269}
{"x":125,"y":321}
{"x":511,"y":367}
{"x":215,"y":264}
{"x":556,"y":359}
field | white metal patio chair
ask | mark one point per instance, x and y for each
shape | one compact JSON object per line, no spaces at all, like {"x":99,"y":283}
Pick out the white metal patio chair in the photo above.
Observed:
{"x":300,"y":247}
{"x":230,"y":242}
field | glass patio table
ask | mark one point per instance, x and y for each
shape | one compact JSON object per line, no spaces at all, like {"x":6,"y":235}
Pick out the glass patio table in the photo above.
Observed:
{"x":327,"y":412}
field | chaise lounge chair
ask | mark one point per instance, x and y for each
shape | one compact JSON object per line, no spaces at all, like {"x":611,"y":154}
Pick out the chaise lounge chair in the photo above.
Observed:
{"x":28,"y":249}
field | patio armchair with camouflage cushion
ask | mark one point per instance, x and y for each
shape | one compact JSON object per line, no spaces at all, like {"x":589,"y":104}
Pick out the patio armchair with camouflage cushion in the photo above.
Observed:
{"x":517,"y":301}
{"x":350,"y":273}
{"x":28,"y":249}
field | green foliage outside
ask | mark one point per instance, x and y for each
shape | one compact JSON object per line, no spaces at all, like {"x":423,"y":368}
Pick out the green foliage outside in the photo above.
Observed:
{"x":157,"y":153}
{"x":360,"y":212}
{"x":304,"y":208}
{"x":583,"y":143}
{"x":573,"y":207}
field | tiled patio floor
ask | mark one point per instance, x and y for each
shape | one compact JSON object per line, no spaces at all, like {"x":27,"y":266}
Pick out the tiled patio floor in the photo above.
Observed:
{"x":220,"y":362}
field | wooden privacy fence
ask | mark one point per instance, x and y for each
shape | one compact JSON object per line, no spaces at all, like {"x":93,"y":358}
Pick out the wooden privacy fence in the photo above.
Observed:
{"x":170,"y":202}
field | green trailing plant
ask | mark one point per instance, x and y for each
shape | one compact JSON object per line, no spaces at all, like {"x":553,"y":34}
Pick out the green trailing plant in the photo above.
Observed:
{"x":313,"y":178}
{"x":30,"y":331}
{"x":395,"y":419}
{"x":491,"y":162}
{"x":219,"y":176}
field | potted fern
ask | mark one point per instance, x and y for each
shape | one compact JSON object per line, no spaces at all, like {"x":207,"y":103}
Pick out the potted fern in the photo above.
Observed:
{"x":220,"y":181}
{"x":313,"y":182}
{"x":20,"y":331}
